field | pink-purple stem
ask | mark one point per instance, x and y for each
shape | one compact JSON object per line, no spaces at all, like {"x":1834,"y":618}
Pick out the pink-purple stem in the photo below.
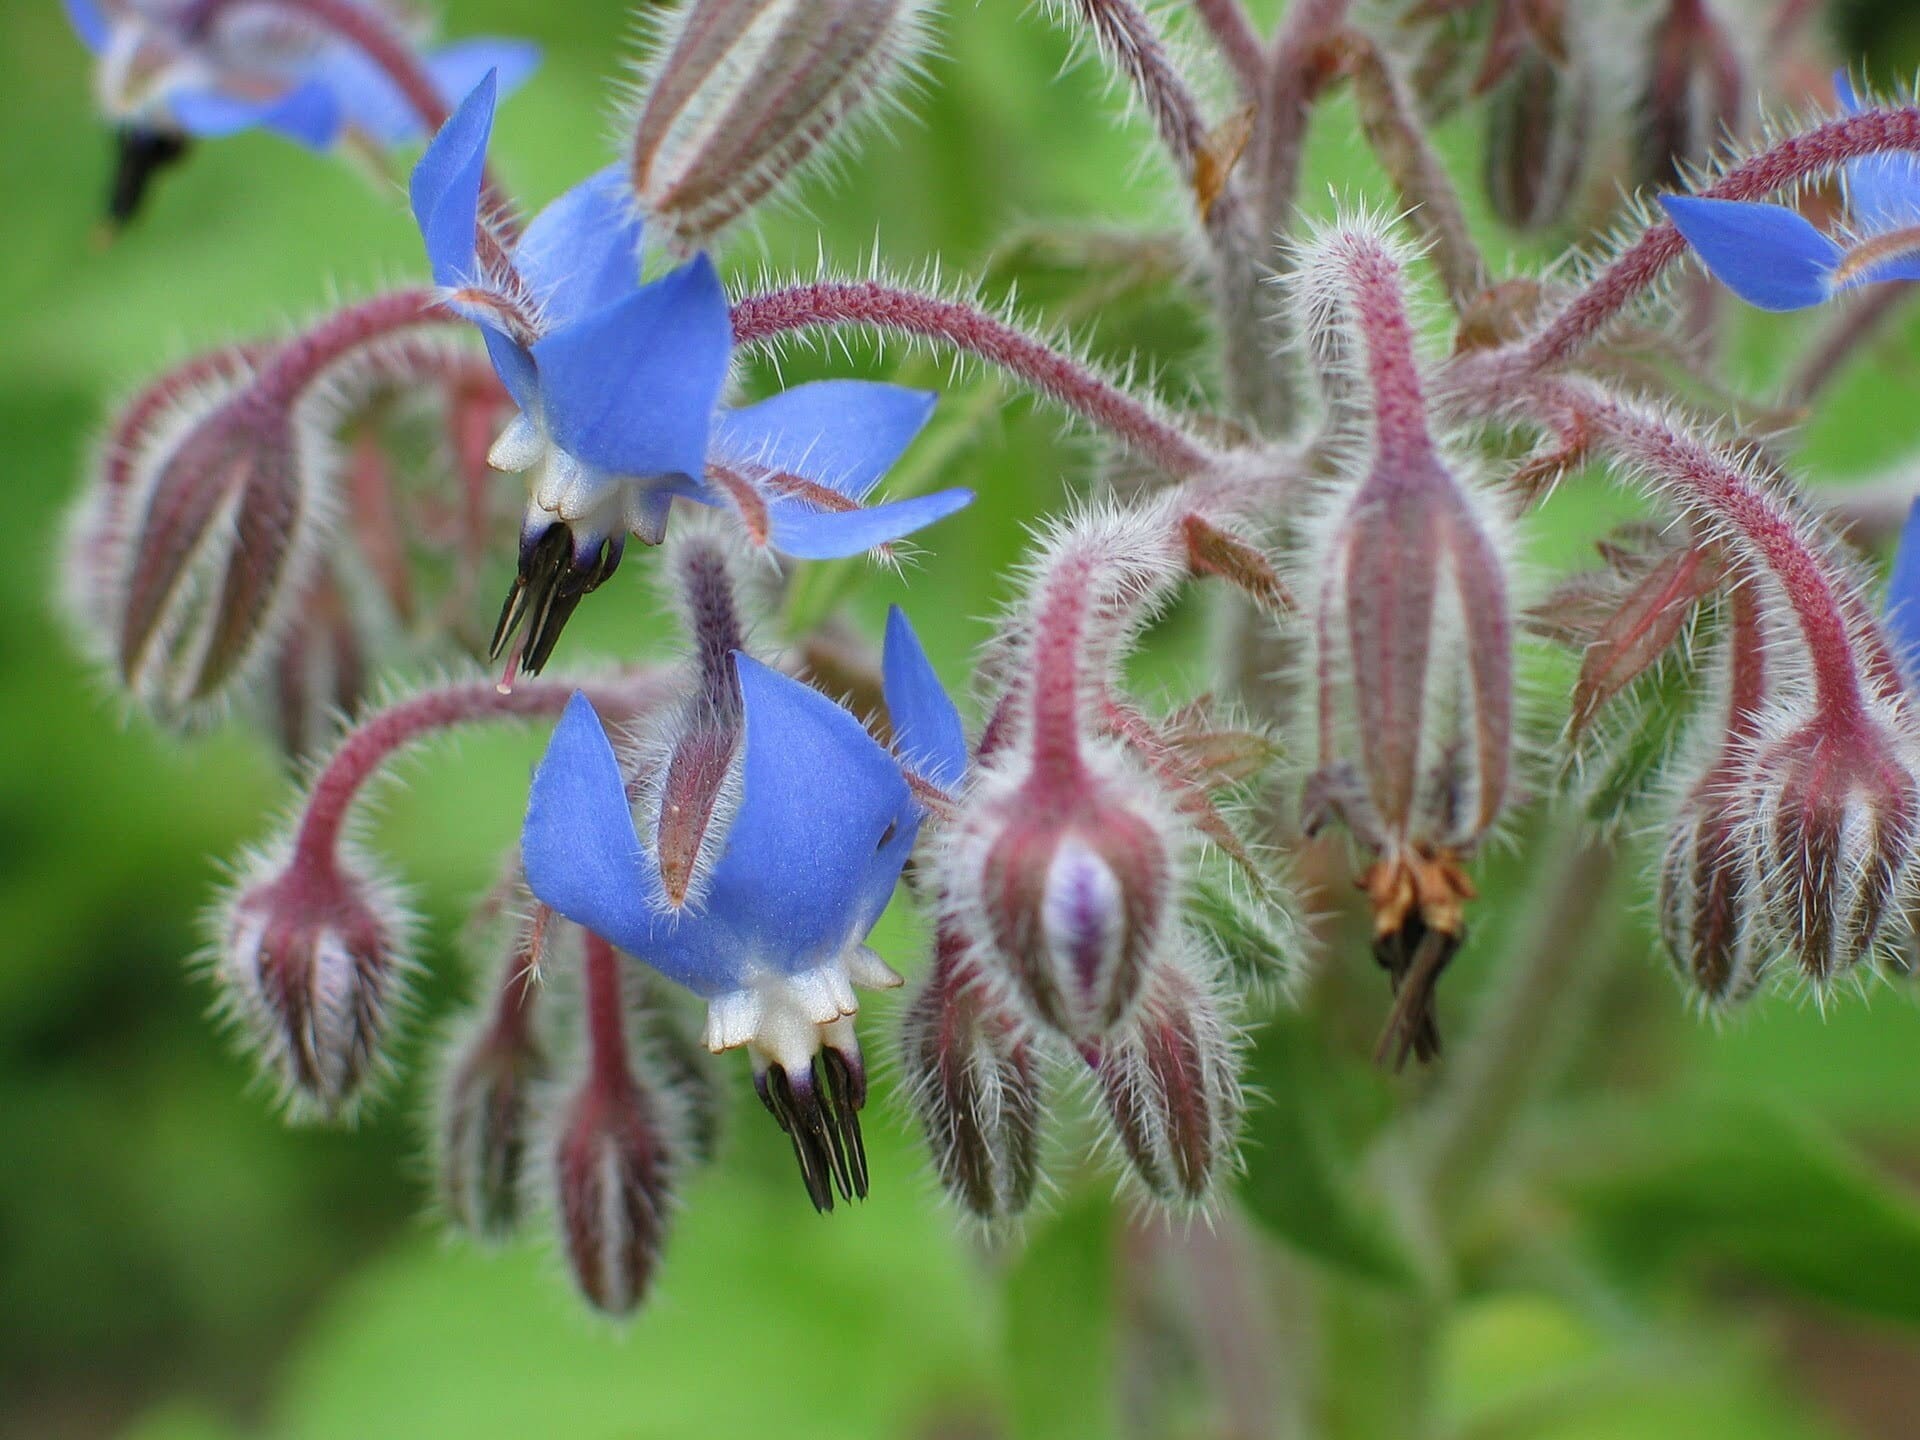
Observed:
{"x":887,"y":308}
{"x":606,"y":1016}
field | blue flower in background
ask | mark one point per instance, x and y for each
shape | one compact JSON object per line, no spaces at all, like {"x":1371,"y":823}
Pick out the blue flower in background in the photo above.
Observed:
{"x":1774,"y":257}
{"x":1903,"y":597}
{"x":619,"y":387}
{"x":824,"y":825}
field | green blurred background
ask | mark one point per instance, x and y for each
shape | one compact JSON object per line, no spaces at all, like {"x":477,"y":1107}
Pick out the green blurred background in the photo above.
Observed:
{"x":177,"y":1265}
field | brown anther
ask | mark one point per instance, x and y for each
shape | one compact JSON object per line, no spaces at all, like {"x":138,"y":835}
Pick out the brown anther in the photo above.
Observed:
{"x":1419,"y":923}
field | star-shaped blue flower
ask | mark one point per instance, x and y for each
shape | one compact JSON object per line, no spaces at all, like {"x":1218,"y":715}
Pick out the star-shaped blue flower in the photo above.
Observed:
{"x":1774,"y":257}
{"x":825,"y":823}
{"x":619,"y":387}
{"x":154,"y":75}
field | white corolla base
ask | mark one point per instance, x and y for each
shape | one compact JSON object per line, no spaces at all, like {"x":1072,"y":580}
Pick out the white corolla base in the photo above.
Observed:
{"x":785,"y":1019}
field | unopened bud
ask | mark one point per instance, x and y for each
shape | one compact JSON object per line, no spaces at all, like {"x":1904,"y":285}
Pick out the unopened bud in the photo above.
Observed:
{"x":746,"y":92}
{"x":1539,"y":135}
{"x":1707,"y":902}
{"x":213,"y":552}
{"x":312,"y":958}
{"x":1171,"y":1085}
{"x":1836,"y":816}
{"x":611,"y":1167}
{"x":1691,"y":99}
{"x":975,"y":1081}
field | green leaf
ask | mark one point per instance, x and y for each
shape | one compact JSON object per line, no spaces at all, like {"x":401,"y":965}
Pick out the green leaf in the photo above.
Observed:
{"x":1300,"y":1180}
{"x":1060,"y":1330}
{"x":1749,"y":1185}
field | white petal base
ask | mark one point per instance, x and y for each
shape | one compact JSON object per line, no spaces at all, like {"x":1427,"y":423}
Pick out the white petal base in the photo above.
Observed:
{"x":783,"y":1017}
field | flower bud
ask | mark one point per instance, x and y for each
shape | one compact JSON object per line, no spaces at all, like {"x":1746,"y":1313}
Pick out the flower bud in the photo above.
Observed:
{"x":486,"y":1100}
{"x":975,"y":1081}
{"x":746,"y":92}
{"x":1691,"y":98}
{"x":1539,"y":132}
{"x":214,"y":551}
{"x":1707,"y":902}
{"x":1835,"y":820}
{"x":610,"y":1164}
{"x":313,"y":959}
{"x":1170,"y":1082}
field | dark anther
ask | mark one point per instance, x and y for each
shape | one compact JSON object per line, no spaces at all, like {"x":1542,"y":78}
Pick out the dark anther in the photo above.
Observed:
{"x":140,"y":155}
{"x":553,"y":579}
{"x":1414,"y":957}
{"x":821,"y":1117}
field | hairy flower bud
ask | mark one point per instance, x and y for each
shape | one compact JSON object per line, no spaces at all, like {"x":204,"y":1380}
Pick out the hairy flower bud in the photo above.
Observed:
{"x":1691,"y":97}
{"x":974,"y":1076}
{"x":610,"y":1166}
{"x":746,"y":92}
{"x":1707,"y":901}
{"x":1539,"y":133}
{"x":312,"y":958}
{"x":214,"y":550}
{"x":1835,"y":819}
{"x":1170,"y":1083}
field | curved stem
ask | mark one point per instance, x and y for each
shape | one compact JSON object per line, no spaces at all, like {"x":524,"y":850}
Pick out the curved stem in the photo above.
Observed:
{"x":381,"y":736}
{"x":1239,"y":44}
{"x":826,"y":304}
{"x":1798,"y":157}
{"x":301,"y":361}
{"x":606,"y":1015}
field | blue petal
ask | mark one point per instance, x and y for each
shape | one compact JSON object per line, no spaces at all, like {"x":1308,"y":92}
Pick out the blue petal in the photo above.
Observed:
{"x":797,"y":529}
{"x":582,"y":253}
{"x":1768,"y":255}
{"x":1844,"y":92}
{"x":372,"y":103}
{"x":632,"y":389}
{"x":844,"y":434}
{"x":1903,"y":595}
{"x":578,"y":845}
{"x":445,"y":189}
{"x":307,"y":113}
{"x":927,"y":733}
{"x":88,"y":23}
{"x":824,"y":827}
{"x":513,"y":363}
{"x":458,"y":67}
{"x":1883,"y":191}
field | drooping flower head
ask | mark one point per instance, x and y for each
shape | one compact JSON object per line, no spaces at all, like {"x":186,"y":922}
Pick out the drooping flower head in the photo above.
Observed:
{"x":824,"y":824}
{"x":619,"y":386}
{"x":1773,"y":257}
{"x":171,"y":70}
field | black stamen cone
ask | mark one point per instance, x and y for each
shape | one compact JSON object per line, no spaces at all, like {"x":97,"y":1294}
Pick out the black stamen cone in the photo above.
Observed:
{"x":554,"y":577}
{"x":821,"y":1115}
{"x":140,"y":155}
{"x":1414,"y":957}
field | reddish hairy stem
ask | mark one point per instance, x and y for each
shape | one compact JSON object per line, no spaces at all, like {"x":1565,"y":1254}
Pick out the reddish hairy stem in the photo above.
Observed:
{"x":1298,"y":70}
{"x":302,"y":360}
{"x":1398,"y":398}
{"x":758,"y":318}
{"x":1240,"y":46}
{"x":606,"y":1015}
{"x":1059,"y":640}
{"x":1127,"y":36}
{"x":378,"y":738}
{"x":1798,"y":157}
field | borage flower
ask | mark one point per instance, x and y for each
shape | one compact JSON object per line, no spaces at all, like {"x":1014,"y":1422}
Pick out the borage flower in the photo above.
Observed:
{"x":172,"y":70}
{"x":1775,"y":258}
{"x":619,"y":387}
{"x":810,"y":858}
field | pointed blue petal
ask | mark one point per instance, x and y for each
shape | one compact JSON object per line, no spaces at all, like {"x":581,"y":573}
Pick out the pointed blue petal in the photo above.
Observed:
{"x":458,"y":67}
{"x":513,"y":363}
{"x":632,"y":389}
{"x":307,"y":113}
{"x":1903,"y":596}
{"x":372,"y":103}
{"x":797,"y":529}
{"x":844,"y":434}
{"x":1768,"y":255}
{"x":823,"y":829}
{"x":582,"y":253}
{"x":445,"y":189}
{"x":927,"y":733}
{"x":88,"y":23}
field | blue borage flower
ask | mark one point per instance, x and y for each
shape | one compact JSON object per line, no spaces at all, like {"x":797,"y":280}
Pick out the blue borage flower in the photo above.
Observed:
{"x":619,"y":387}
{"x":810,"y":859}
{"x":256,"y":71}
{"x":1774,"y":257}
{"x":1903,"y":597}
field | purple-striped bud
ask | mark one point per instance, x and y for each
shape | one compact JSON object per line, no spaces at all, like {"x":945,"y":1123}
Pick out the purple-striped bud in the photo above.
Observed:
{"x":486,"y":1101}
{"x":212,"y":551}
{"x":1691,"y":99}
{"x":746,"y":92}
{"x":1836,"y":817}
{"x":974,"y":1076}
{"x":1171,"y":1086}
{"x":610,"y":1165}
{"x":1540,"y":121}
{"x":312,"y":958}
